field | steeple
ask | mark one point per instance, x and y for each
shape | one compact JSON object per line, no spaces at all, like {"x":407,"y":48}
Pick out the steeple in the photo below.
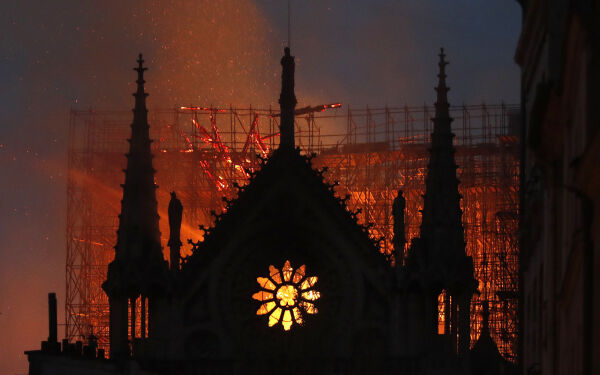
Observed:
{"x":287,"y":101}
{"x":140,"y":112}
{"x":138,"y":269}
{"x":442,"y":216}
{"x":439,"y":255}
{"x":139,"y":235}
{"x":441,"y":104}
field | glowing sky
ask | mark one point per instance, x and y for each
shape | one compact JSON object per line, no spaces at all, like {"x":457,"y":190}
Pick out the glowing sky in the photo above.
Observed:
{"x":55,"y":56}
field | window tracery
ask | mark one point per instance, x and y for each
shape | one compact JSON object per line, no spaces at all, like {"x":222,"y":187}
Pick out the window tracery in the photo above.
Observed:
{"x":286,"y":295}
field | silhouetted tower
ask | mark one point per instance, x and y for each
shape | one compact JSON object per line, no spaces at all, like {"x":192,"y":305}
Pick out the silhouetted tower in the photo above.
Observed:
{"x":440,"y":254}
{"x":287,"y":101}
{"x":138,"y":269}
{"x":442,"y":221}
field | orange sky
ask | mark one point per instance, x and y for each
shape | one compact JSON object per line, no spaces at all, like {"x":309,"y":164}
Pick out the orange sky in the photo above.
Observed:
{"x":79,"y":54}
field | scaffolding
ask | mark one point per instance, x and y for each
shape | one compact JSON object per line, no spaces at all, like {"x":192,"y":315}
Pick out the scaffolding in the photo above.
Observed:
{"x":203,"y":153}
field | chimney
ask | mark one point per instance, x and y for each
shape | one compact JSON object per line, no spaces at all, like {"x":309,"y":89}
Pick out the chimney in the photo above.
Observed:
{"x":52,"y":335}
{"x":51,"y":345}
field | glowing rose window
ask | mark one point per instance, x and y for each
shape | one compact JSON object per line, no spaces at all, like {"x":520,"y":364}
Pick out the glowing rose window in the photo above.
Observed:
{"x":286,"y":295}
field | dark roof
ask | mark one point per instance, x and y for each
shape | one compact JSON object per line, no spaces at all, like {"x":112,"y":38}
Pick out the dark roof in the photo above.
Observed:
{"x":289,"y":172}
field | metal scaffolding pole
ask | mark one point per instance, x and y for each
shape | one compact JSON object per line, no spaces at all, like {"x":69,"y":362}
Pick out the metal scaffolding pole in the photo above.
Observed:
{"x":202,"y":153}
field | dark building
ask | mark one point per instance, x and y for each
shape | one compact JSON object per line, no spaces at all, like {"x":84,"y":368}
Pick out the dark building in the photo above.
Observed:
{"x":287,"y":280}
{"x":559,"y":56}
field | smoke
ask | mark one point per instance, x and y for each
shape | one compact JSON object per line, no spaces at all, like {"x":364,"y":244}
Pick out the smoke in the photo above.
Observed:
{"x":199,"y":52}
{"x":385,"y":52}
{"x":78,"y":54}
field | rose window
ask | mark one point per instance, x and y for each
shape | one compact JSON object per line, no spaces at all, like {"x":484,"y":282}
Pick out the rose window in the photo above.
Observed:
{"x":286,"y":295}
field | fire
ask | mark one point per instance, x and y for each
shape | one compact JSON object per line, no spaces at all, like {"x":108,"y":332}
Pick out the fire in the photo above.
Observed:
{"x":206,"y":109}
{"x":203,"y":168}
{"x":88,"y":241}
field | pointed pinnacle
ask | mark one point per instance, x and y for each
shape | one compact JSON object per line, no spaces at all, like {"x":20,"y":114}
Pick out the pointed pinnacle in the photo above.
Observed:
{"x":441,"y":104}
{"x":287,"y":101}
{"x":442,"y":64}
{"x":140,"y":95}
{"x":140,"y":69}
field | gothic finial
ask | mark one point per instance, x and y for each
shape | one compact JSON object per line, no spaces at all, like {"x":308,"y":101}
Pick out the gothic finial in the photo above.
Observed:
{"x":442,"y":56}
{"x":140,"y":95}
{"x":287,"y":101}
{"x":442,"y":110}
{"x":442,"y":88}
{"x":140,"y":69}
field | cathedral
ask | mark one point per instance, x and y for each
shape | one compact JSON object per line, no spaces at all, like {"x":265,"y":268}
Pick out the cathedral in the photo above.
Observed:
{"x":286,"y":280}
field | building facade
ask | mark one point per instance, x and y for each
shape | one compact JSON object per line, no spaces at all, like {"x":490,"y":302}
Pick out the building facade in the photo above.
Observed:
{"x":287,"y":280}
{"x":558,"y":53}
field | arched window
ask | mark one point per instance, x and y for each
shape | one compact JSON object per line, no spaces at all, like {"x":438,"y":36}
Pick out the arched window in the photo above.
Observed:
{"x":442,"y":313}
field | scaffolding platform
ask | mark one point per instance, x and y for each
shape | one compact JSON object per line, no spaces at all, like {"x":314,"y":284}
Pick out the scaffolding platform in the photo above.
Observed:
{"x":203,"y":153}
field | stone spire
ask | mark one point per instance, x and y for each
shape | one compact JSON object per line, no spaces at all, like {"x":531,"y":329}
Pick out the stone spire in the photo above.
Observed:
{"x":139,"y":235}
{"x":442,"y":216}
{"x":138,"y":269}
{"x":439,"y":255}
{"x":287,"y":101}
{"x":441,"y":105}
